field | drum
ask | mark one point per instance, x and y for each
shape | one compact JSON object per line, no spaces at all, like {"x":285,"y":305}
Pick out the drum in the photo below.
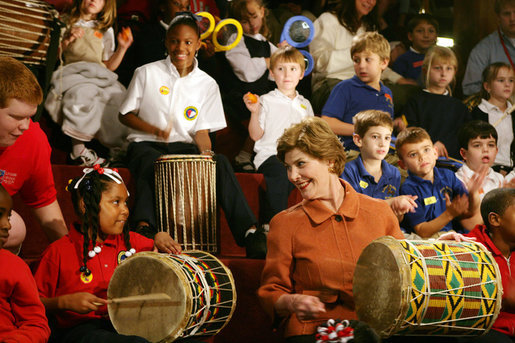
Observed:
{"x":25,"y":29}
{"x":201,"y":289}
{"x":427,"y":287}
{"x":186,"y":200}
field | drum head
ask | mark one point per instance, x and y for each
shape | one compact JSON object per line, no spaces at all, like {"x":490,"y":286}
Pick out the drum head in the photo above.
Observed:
{"x":380,"y":285}
{"x":148,"y":273}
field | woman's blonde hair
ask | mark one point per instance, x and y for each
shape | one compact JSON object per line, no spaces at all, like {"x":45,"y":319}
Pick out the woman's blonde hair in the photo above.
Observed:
{"x":440,"y":54}
{"x":105,"y":18}
{"x":314,"y":137}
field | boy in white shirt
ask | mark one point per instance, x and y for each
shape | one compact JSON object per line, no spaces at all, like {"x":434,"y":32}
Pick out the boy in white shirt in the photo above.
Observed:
{"x":478,"y":148}
{"x":270,"y":115}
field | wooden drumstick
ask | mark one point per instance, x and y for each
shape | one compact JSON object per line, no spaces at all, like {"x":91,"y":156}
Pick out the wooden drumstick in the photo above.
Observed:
{"x":153,"y":297}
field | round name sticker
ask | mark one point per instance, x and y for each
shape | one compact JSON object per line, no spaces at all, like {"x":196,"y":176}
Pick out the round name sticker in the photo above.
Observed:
{"x":86,"y":278}
{"x":164,"y":90}
{"x":190,"y":113}
{"x":121,"y":256}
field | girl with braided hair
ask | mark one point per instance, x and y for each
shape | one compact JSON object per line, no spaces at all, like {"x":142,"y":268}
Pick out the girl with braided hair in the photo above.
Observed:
{"x":75,"y":270}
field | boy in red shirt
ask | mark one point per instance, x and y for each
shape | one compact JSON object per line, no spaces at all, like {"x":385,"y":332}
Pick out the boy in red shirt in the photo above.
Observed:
{"x":22,"y":315}
{"x":498,"y":236}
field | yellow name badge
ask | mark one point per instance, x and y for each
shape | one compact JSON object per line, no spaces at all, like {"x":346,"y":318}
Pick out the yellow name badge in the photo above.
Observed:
{"x":430,"y":200}
{"x":164,"y":90}
{"x":303,"y":106}
{"x":363,"y":184}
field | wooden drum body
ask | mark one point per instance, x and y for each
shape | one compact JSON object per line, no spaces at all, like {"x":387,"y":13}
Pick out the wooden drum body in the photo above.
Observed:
{"x":25,"y":29}
{"x":427,"y":287}
{"x":201,"y":288}
{"x":186,"y":200}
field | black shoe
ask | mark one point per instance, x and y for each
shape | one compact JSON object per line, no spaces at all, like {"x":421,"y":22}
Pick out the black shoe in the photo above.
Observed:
{"x":255,"y":244}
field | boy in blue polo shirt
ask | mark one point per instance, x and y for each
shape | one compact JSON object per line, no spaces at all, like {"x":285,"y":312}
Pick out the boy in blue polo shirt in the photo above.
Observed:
{"x":370,"y":52}
{"x":369,"y":173}
{"x":441,"y":196}
{"x":422,"y":33}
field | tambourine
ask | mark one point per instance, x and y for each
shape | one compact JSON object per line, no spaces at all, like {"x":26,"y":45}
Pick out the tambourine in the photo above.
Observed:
{"x":298,"y":32}
{"x":225,"y":35}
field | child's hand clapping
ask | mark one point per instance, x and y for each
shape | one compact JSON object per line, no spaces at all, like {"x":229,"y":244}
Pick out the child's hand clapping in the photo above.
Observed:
{"x":458,"y":206}
{"x":165,"y":243}
{"x":403,"y":204}
{"x":80,"y":302}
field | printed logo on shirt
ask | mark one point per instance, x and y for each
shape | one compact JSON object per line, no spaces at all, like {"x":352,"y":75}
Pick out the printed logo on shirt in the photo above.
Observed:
{"x":446,"y":190}
{"x":7,"y":178}
{"x":390,"y":191}
{"x":190,"y":113}
{"x":363,"y":184}
{"x":86,"y":278}
{"x":430,"y":200}
{"x":98,"y":34}
{"x":389,"y":99}
{"x":164,"y":90}
{"x":121,"y":257}
{"x":417,"y":64}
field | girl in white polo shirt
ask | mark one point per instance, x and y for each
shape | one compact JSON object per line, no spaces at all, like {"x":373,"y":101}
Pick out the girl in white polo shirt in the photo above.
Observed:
{"x":171,"y":106}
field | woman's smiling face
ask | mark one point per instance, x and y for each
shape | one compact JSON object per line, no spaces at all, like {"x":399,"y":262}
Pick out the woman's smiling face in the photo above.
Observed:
{"x":309,"y":174}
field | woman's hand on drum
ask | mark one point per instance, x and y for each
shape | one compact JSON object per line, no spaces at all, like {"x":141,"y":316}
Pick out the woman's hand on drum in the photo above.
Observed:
{"x":163,"y":242}
{"x":304,"y":306}
{"x":81,"y":302}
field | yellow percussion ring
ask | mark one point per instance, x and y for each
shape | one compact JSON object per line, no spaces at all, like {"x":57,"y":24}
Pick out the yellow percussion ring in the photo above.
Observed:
{"x":221,"y":24}
{"x":211,"y":28}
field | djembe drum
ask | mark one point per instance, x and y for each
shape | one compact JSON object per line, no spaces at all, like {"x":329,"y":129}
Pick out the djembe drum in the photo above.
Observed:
{"x":427,"y":287}
{"x":25,"y":29}
{"x":186,"y":200}
{"x":202,"y":295}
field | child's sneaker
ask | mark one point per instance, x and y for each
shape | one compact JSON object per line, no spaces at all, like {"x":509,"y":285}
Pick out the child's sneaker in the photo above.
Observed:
{"x":88,"y":158}
{"x":243,"y":163}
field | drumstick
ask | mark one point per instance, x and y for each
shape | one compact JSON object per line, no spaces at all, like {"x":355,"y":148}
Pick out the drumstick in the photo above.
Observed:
{"x":153,"y":297}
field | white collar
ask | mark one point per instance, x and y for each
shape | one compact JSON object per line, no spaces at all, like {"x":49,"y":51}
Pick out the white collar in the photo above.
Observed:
{"x":445,"y":93}
{"x":415,"y":51}
{"x":174,"y":70}
{"x":487,"y":106}
{"x":87,"y":23}
{"x":278,"y":93}
{"x":469,"y":172}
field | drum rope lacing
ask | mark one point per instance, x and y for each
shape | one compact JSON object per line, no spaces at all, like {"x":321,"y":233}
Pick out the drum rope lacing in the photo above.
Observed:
{"x":189,"y":188}
{"x":206,"y":290}
{"x":9,"y":25}
{"x":428,"y":294}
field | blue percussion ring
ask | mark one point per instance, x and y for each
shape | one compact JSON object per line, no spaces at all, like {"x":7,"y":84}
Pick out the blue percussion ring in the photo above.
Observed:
{"x":285,"y":34}
{"x":311,"y":62}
